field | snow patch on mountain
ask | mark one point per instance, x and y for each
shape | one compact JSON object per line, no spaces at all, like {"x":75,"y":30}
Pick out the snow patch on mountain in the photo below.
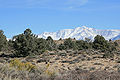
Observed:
{"x":116,"y":38}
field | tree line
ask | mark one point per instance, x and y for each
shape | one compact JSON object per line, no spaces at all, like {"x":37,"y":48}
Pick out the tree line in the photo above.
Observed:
{"x":27,"y":43}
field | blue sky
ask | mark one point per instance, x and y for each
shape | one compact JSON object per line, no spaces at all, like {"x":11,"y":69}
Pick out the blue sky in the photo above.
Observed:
{"x":52,"y":15}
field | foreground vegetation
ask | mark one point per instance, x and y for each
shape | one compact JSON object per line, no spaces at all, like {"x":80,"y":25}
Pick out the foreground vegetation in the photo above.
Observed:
{"x":27,"y":57}
{"x":18,"y":70}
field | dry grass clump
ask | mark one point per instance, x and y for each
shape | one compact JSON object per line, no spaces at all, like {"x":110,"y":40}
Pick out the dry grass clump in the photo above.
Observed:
{"x":86,"y":75}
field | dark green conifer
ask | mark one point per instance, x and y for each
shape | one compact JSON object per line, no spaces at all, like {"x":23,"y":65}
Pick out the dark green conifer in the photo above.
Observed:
{"x":3,"y":41}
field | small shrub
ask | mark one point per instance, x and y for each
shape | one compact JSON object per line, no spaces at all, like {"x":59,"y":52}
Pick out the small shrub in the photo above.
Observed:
{"x":41,"y":60}
{"x":52,"y":53}
{"x":118,"y":61}
{"x":62,"y":54}
{"x":108,"y":55}
{"x":98,"y":64}
{"x":50,"y":72}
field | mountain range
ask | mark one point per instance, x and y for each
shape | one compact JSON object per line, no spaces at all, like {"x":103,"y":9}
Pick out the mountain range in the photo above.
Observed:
{"x":80,"y":33}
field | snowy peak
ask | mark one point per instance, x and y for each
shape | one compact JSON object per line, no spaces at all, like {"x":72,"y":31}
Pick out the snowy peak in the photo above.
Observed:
{"x":81,"y":33}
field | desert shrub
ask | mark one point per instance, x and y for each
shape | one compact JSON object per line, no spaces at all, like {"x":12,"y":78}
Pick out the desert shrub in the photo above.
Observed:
{"x":70,"y":62}
{"x":47,"y":71}
{"x":52,"y":53}
{"x":98,"y":64}
{"x":41,"y":60}
{"x":16,"y":63}
{"x":62,"y":54}
{"x":108,"y":55}
{"x":118,"y":61}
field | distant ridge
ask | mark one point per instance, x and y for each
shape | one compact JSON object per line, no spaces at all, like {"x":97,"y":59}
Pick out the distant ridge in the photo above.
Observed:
{"x":80,"y":33}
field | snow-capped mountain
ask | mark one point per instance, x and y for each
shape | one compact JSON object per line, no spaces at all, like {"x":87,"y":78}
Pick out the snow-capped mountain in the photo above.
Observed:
{"x":82,"y":33}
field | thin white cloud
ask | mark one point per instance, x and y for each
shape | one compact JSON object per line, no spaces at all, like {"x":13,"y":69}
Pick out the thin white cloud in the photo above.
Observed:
{"x":43,"y":3}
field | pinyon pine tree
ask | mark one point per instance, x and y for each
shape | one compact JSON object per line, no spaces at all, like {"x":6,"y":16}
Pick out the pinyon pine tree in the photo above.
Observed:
{"x":25,"y":43}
